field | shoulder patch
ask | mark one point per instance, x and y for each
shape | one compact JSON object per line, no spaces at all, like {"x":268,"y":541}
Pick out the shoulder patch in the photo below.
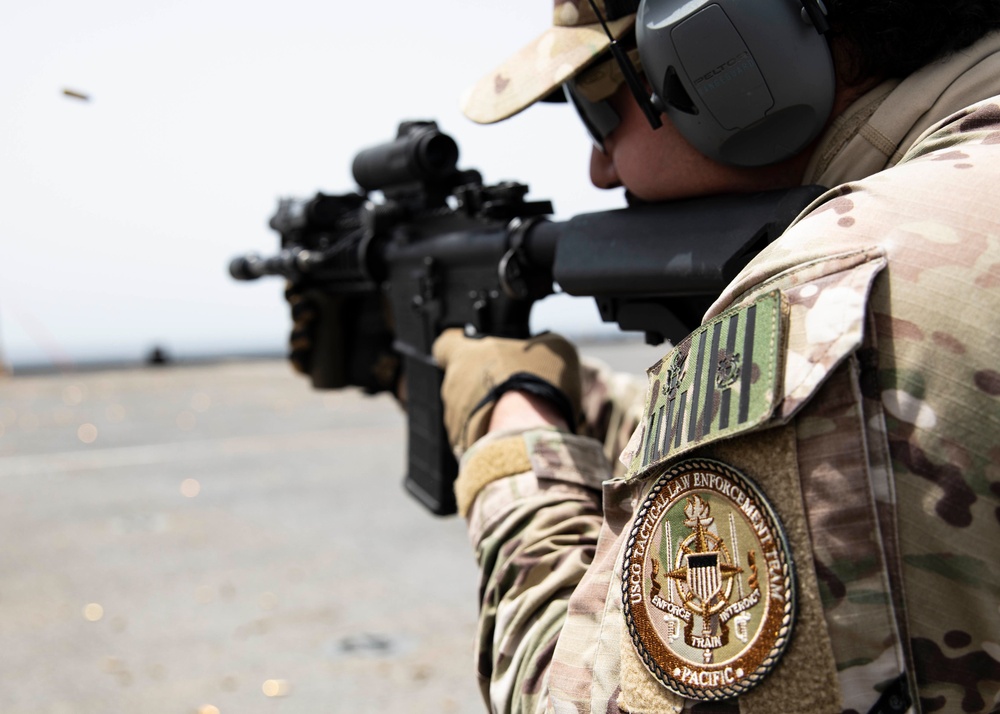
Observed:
{"x":708,"y":587}
{"x":722,"y":380}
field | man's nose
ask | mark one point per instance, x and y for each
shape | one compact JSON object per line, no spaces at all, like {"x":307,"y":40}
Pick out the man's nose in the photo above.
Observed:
{"x":602,"y":170}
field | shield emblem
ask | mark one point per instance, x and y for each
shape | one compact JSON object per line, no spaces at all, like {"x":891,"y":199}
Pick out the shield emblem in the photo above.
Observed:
{"x":703,"y":575}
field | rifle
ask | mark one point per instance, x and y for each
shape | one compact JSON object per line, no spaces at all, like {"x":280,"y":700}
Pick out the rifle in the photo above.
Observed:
{"x":441,"y":249}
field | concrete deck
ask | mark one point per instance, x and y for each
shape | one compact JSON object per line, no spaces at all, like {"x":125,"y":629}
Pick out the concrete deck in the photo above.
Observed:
{"x":222,"y":539}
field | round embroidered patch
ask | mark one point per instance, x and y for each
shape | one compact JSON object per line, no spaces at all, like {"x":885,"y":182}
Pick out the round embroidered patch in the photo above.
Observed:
{"x":708,"y":587}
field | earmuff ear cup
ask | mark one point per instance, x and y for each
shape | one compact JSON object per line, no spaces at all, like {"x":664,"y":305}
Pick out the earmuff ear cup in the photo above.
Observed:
{"x":746,"y":83}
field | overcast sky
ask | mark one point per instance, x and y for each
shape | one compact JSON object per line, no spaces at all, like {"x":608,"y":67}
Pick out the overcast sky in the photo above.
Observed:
{"x":119,"y":214}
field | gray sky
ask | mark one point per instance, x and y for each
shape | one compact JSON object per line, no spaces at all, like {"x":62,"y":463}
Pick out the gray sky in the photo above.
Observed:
{"x":119,"y":215}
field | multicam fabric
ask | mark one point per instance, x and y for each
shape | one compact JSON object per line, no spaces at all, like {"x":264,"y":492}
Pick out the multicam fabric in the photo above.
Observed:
{"x":611,"y":406}
{"x":602,"y":79}
{"x":575,"y":39}
{"x":894,"y":398}
{"x":875,"y":131}
{"x":930,"y":385}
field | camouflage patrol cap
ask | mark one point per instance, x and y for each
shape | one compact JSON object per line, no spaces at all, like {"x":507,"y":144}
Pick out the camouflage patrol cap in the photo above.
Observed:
{"x":574,"y":40}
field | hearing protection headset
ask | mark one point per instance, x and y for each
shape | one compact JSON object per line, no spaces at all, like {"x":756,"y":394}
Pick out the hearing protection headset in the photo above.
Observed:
{"x":746,"y":82}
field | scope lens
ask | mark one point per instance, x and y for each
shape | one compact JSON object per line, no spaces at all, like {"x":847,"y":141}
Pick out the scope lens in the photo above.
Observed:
{"x":438,"y":153}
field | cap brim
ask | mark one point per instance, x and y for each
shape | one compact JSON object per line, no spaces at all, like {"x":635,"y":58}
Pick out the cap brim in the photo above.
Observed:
{"x":534,"y":72}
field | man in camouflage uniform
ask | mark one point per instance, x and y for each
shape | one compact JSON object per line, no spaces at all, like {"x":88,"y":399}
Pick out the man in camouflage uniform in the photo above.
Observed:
{"x":808,"y":514}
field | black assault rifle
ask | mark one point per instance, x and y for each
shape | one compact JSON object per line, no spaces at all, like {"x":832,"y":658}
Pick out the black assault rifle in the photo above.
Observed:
{"x":440,"y":249}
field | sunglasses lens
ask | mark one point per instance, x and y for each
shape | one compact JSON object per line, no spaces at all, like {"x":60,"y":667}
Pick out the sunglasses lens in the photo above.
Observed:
{"x":599,"y":118}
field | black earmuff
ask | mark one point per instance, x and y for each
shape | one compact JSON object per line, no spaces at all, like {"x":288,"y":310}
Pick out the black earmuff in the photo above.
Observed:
{"x":747,"y":82}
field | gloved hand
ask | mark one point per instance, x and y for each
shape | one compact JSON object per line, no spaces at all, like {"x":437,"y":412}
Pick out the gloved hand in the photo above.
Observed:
{"x":478,"y":371}
{"x":300,"y":340}
{"x":342,"y":341}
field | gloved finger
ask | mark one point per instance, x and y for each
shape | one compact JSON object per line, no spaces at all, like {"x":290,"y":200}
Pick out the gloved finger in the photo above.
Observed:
{"x":293,"y":292}
{"x":300,"y":355}
{"x":303,"y":311}
{"x":554,"y":343}
{"x":447,"y":344}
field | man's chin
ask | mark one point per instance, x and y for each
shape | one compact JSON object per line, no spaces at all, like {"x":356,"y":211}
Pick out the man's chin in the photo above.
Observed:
{"x":632,"y":200}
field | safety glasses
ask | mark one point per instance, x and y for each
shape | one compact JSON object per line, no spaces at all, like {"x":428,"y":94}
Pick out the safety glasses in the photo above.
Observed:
{"x":599,"y":117}
{"x":591,"y":91}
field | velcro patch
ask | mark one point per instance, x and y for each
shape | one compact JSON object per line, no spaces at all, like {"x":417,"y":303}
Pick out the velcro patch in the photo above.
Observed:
{"x":488,"y":463}
{"x":708,"y":589}
{"x":723,"y":379}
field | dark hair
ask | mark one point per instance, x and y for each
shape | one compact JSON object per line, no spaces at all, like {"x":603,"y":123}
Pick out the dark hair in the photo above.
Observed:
{"x":894,"y":38}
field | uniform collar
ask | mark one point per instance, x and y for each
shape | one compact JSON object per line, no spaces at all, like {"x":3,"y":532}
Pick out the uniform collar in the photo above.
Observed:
{"x":876,"y":130}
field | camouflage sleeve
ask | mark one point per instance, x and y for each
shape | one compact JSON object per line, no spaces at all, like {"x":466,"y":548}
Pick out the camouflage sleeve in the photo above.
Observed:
{"x":932,"y":372}
{"x":612,"y":406}
{"x":534,"y":535}
{"x":931,"y":388}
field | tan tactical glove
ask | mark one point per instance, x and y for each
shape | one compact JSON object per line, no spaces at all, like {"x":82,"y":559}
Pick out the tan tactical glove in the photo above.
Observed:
{"x":479,"y":370}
